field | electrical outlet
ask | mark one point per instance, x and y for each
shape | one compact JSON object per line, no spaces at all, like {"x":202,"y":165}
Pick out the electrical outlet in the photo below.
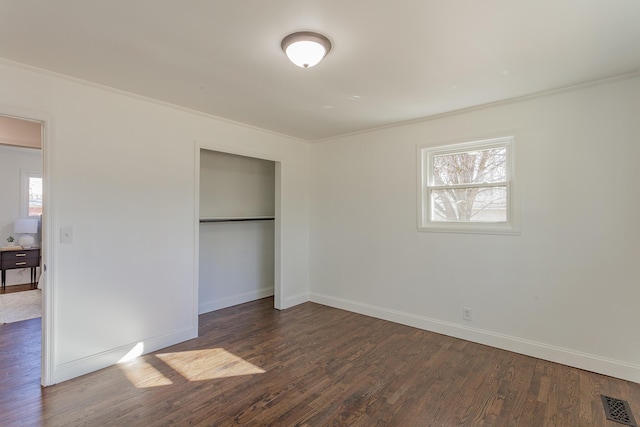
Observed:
{"x":466,"y":314}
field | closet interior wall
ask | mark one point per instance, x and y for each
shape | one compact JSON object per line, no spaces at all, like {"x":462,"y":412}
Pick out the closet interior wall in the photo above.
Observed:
{"x":237,"y":207}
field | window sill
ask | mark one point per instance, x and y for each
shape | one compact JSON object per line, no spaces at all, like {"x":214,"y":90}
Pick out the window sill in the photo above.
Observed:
{"x":473,"y":228}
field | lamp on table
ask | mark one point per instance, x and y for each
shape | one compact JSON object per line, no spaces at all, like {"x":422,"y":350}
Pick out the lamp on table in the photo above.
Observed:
{"x":27,"y":227}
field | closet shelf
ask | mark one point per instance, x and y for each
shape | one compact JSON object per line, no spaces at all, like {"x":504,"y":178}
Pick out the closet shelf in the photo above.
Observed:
{"x":237,"y":219}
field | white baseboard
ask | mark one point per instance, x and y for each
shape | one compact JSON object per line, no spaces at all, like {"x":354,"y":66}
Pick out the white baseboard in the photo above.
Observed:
{"x":207,"y":306}
{"x":76,"y":368}
{"x":295,"y":300}
{"x":589,"y":362}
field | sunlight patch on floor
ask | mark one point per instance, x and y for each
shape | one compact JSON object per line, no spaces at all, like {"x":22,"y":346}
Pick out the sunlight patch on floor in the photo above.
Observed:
{"x":144,"y":375}
{"x":140,"y":373}
{"x":208,"y":364}
{"x":194,"y":365}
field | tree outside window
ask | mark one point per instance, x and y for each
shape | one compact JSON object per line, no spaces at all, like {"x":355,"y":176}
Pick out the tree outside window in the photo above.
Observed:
{"x":455,"y":200}
{"x":467,"y":186}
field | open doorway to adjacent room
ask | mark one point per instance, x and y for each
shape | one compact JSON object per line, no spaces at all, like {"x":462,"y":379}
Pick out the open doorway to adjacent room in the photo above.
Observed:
{"x":21,"y":222}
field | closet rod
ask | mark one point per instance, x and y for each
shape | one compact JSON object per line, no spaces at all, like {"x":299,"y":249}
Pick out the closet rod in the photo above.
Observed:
{"x":259,"y":218}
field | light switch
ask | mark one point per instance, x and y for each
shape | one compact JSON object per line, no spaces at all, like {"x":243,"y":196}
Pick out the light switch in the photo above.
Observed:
{"x":66,"y":235}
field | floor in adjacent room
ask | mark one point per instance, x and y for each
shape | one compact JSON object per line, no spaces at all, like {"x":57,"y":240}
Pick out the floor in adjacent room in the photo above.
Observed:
{"x":17,"y":288}
{"x":309,"y":365}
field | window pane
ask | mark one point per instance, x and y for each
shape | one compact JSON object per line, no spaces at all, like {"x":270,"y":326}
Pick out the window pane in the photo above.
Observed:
{"x":486,"y":204}
{"x":35,"y":196}
{"x":471,"y":167}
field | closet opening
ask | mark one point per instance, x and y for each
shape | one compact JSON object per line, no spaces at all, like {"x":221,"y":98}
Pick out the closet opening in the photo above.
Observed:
{"x":237,"y":229}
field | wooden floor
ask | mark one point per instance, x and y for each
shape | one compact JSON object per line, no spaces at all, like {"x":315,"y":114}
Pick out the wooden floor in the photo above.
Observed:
{"x":16,"y":288}
{"x":309,"y":366}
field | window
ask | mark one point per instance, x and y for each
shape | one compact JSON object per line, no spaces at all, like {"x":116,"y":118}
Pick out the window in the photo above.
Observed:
{"x":31,"y":194}
{"x":35,"y":196}
{"x":468,"y":187}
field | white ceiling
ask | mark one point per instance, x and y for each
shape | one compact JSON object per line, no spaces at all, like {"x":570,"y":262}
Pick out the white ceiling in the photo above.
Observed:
{"x":391,"y":61}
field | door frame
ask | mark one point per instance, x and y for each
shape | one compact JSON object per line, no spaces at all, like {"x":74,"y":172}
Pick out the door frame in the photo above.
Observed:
{"x":47,"y":251}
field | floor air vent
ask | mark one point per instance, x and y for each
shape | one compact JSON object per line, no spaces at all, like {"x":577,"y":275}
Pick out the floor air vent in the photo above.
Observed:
{"x":618,"y":410}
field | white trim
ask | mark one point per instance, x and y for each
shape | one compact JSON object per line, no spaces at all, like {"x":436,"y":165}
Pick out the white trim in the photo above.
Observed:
{"x":589,"y":362}
{"x":207,"y":306}
{"x":465,"y":110}
{"x":196,"y":234}
{"x":278,"y":289}
{"x":85,"y":365}
{"x":296,"y":300}
{"x":425,"y":154}
{"x":133,"y":95}
{"x":49,"y":338}
{"x":48,"y":361}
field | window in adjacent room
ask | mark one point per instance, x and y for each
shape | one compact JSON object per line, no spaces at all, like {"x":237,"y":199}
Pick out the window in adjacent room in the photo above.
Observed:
{"x":31,"y":194}
{"x":468,"y":187}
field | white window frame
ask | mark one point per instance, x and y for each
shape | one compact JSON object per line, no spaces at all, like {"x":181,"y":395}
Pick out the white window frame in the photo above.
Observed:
{"x":24,"y":191}
{"x":426,"y":153}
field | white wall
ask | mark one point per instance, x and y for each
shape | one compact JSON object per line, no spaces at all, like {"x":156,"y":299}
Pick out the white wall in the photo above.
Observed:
{"x":236,"y":258}
{"x":565,"y":290}
{"x":13,"y":162}
{"x":123,"y":177}
{"x":236,"y":263}
{"x":236,"y":186}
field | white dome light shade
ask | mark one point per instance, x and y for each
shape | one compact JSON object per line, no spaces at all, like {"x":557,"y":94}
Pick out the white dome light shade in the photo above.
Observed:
{"x":305,"y":54}
{"x":306,"y":49}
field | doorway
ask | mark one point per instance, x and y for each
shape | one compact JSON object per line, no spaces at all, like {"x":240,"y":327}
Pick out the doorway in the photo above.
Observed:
{"x":20,"y":211}
{"x":23,"y":145}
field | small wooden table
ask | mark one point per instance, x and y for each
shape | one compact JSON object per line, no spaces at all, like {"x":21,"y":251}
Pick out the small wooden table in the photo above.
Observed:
{"x":20,"y":258}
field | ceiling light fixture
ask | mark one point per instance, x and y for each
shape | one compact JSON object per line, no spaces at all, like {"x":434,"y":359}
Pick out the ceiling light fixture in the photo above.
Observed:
{"x":306,"y":49}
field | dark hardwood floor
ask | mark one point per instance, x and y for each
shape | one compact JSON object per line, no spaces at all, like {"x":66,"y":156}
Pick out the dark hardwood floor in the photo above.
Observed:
{"x":310,"y":365}
{"x":16,"y":288}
